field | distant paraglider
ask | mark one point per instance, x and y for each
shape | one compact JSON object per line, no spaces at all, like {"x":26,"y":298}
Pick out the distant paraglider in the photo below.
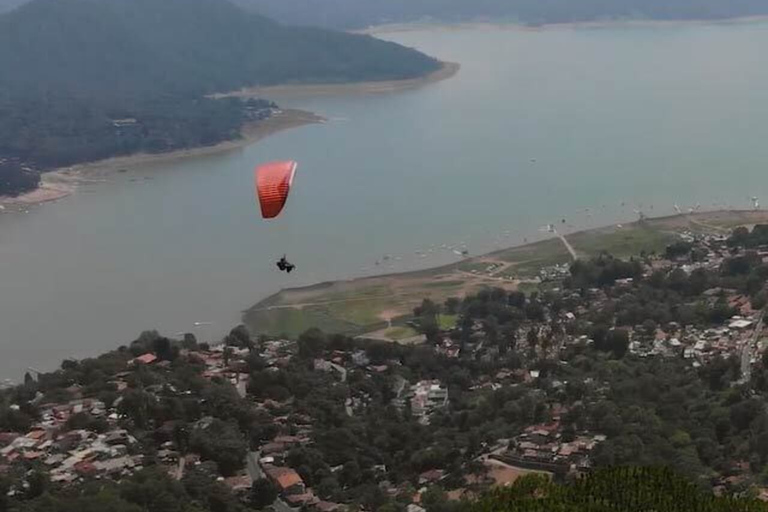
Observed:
{"x":273,"y":184}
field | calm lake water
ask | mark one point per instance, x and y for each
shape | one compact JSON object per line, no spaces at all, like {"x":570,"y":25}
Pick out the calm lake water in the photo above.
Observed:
{"x":645,"y":116}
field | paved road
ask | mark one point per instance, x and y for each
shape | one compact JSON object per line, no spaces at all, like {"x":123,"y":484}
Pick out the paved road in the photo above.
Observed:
{"x":748,"y":349}
{"x":180,"y":468}
{"x":256,"y":473}
{"x":254,"y":469}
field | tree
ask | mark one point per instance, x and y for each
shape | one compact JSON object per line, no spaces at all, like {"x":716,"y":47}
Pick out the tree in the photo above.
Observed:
{"x":222,"y":443}
{"x":533,"y":337}
{"x":312,"y":343}
{"x":239,"y":337}
{"x":135,"y":405}
{"x":617,"y":342}
{"x":263,"y":493}
{"x":38,"y":482}
{"x":452,"y":305}
{"x":164,"y":349}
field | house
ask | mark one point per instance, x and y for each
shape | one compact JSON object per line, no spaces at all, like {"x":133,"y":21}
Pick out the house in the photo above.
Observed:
{"x":115,"y":466}
{"x":119,"y":436}
{"x":326,"y":506}
{"x":739,"y":324}
{"x":431,"y":476}
{"x":85,"y":468}
{"x":428,"y":395}
{"x":301,"y":500}
{"x":239,"y":484}
{"x":147,"y":358}
{"x":7,"y":438}
{"x":359,"y":358}
{"x":287,"y":480}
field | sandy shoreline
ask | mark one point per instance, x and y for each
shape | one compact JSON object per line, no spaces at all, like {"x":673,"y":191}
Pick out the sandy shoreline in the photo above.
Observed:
{"x":446,"y":71}
{"x":61,"y":183}
{"x":522,"y":27}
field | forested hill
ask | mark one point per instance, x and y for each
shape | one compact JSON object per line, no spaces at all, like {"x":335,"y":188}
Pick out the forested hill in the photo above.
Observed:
{"x":362,"y":13}
{"x":71,"y":69}
{"x":142,"y":46}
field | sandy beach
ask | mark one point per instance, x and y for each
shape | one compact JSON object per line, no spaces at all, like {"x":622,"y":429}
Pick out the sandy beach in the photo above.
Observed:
{"x":446,"y":71}
{"x":60,"y":183}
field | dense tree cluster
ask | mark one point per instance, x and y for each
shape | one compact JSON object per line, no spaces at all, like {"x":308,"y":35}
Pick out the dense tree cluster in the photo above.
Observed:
{"x":612,"y":490}
{"x":150,"y":490}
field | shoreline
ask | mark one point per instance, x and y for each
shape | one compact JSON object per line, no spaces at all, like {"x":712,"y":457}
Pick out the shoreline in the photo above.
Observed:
{"x":393,"y":28}
{"x":447,"y":70}
{"x":60,"y":183}
{"x":732,"y":218}
{"x":366,"y":304}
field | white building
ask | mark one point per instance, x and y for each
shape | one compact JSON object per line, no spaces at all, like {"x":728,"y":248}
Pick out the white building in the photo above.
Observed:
{"x":428,"y":395}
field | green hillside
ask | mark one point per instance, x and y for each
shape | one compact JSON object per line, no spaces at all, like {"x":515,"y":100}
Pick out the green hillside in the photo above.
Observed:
{"x":70,"y":68}
{"x":128,"y":47}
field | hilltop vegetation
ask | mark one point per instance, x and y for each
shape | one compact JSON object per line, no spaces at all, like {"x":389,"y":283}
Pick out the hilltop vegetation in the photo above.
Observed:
{"x":113,"y":77}
{"x":612,"y":490}
{"x":362,"y":13}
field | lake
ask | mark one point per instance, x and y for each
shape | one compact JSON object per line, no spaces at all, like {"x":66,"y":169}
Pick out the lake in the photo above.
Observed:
{"x":580,"y":124}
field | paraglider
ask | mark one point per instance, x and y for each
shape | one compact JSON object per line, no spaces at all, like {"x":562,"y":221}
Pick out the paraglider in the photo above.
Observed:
{"x":284,"y":265}
{"x":273,"y":184}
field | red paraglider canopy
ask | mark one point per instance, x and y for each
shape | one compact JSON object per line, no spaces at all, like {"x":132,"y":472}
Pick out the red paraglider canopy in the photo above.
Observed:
{"x":273,"y":183}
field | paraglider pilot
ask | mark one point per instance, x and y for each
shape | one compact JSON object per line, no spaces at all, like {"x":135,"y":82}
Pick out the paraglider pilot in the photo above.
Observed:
{"x":283,"y":265}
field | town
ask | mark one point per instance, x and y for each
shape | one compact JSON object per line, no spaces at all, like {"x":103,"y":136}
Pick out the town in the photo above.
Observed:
{"x":591,"y":370}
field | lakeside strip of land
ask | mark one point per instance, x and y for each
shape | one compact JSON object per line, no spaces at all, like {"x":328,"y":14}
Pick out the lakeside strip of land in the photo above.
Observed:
{"x":446,"y":71}
{"x":392,"y":28}
{"x":60,"y":183}
{"x":380,"y":306}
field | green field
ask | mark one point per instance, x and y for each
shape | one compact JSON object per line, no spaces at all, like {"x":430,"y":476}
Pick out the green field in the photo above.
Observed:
{"x":447,"y":321}
{"x":292,"y":322}
{"x":622,"y":242}
{"x":400,"y":333}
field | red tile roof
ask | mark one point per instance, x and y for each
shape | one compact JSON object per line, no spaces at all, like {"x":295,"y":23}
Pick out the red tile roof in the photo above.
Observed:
{"x":147,"y":358}
{"x":285,"y":477}
{"x":36,"y":434}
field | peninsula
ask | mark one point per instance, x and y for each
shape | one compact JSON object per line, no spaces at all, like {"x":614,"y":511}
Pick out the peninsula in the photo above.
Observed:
{"x":147,"y":89}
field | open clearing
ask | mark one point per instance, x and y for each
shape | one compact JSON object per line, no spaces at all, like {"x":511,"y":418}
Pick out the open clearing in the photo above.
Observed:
{"x":369,"y":305}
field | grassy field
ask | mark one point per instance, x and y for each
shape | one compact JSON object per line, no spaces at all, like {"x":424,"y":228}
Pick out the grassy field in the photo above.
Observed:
{"x":622,"y":242}
{"x":368,"y":305}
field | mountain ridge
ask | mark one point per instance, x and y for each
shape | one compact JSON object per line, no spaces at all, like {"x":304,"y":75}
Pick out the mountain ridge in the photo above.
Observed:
{"x":356,"y":14}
